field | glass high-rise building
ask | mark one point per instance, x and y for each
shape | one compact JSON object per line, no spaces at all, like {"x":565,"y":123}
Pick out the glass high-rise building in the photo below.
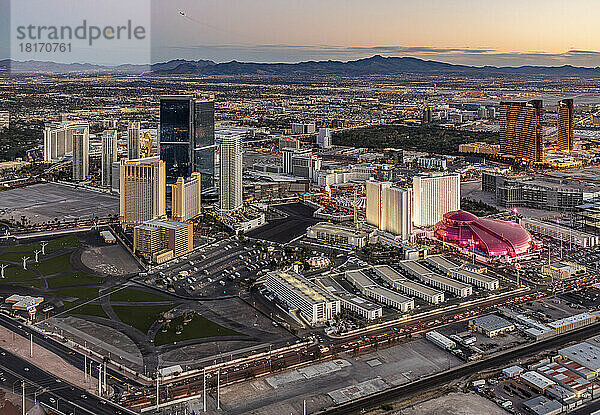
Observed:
{"x":564,"y":125}
{"x":81,"y":154}
{"x":187,"y":138}
{"x":109,"y":156}
{"x":133,"y":140}
{"x":230,"y":180}
{"x":176,"y":134}
{"x":204,"y":142}
{"x":521,"y":129}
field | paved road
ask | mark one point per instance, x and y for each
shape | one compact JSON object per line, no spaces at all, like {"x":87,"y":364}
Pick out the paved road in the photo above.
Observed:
{"x":52,"y":390}
{"x":71,"y":356}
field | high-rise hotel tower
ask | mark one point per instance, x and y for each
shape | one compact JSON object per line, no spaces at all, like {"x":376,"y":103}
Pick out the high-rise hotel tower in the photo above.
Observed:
{"x":564,"y":125}
{"x":521,"y":129}
{"x":142,"y":190}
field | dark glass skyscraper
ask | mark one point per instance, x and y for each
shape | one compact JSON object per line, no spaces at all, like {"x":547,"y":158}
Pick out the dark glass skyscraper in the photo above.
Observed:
{"x":187,"y":138}
{"x":204,"y":142}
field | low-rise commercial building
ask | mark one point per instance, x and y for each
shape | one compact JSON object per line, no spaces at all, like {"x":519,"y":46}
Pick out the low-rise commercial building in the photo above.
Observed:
{"x":23,"y":302}
{"x":371,"y":289}
{"x":414,"y":268}
{"x":429,"y":277}
{"x":314,"y":303}
{"x":457,"y":288}
{"x":339,"y":235}
{"x":475,"y":278}
{"x":389,"y":298}
{"x":359,"y":280}
{"x":491,"y":325}
{"x":420,"y":291}
{"x":354,"y":303}
{"x":400,"y":283}
{"x":441,"y":264}
{"x":388,"y":274}
{"x":560,"y":233}
{"x":563,"y":270}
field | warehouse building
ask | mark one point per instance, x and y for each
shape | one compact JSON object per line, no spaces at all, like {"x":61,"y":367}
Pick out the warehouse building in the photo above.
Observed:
{"x":315,"y":304}
{"x":585,"y":354}
{"x":440,"y":340}
{"x":572,"y":322}
{"x":457,"y":288}
{"x":354,"y":303}
{"x":540,"y":405}
{"x":537,"y":381}
{"x":491,"y":325}
{"x":568,"y":379}
{"x":475,"y":278}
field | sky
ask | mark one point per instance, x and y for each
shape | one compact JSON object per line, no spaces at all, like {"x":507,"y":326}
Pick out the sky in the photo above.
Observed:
{"x":474,"y":32}
{"x":477,"y":32}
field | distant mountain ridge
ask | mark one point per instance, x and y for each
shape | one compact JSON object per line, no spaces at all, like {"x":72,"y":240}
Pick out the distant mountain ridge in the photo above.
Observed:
{"x":375,"y":65}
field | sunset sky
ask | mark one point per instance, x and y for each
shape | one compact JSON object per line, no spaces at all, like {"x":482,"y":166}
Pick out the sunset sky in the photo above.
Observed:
{"x":507,"y":32}
{"x":475,"y":32}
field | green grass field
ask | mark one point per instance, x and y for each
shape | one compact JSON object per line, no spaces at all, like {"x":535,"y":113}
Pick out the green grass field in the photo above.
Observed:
{"x":15,"y":257}
{"x":33,"y":283}
{"x":94,"y":310}
{"x":70,"y":241}
{"x":198,"y":328}
{"x":140,"y":318}
{"x":61,"y":263}
{"x":129,"y":295}
{"x":83,"y":293}
{"x":73,"y":278}
{"x":16,"y":273}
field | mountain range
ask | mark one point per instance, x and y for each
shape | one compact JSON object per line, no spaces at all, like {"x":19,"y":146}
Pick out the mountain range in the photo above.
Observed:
{"x":375,"y":65}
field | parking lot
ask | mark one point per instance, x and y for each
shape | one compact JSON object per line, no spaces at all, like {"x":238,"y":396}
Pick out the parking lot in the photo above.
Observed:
{"x":216,"y":269}
{"x":46,"y":202}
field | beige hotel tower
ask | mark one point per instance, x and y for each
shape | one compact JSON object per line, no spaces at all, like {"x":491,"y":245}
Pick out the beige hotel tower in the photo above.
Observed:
{"x":142,"y":190}
{"x":185,"y":198}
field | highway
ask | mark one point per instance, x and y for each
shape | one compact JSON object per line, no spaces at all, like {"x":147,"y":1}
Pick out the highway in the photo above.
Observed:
{"x":70,"y":355}
{"x":57,"y":393}
{"x":438,"y":380}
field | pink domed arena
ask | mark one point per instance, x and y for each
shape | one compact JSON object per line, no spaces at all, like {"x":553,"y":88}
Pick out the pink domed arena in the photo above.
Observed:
{"x":492,"y":237}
